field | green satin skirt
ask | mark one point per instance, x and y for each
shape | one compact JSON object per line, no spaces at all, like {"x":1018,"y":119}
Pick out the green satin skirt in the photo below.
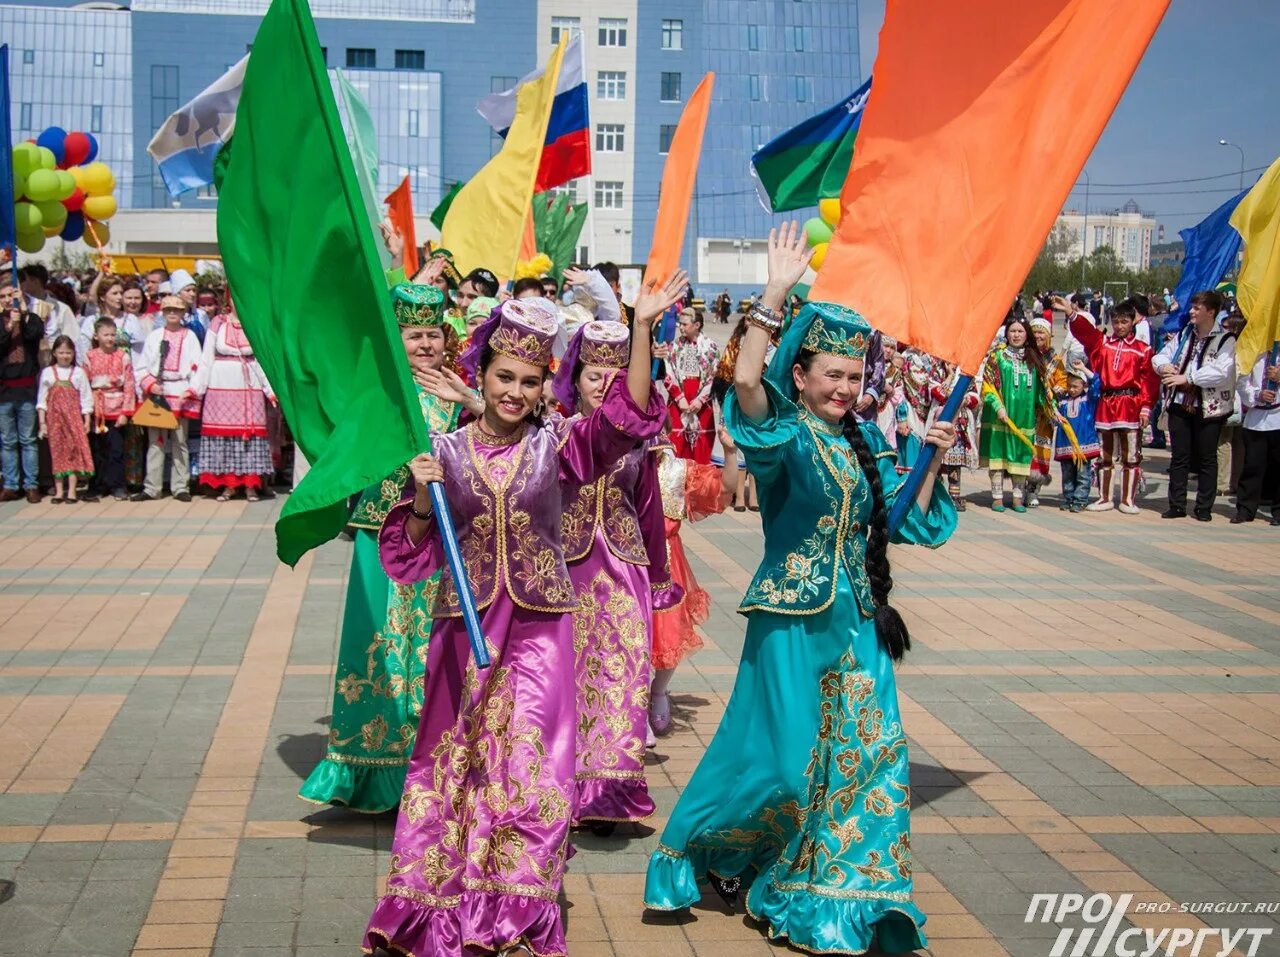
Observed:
{"x":803,"y":792}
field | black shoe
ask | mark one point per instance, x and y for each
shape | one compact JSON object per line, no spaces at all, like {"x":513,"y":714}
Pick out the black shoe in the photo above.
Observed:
{"x":1239,"y":518}
{"x":1275,"y":519}
{"x":91,"y":497}
{"x":729,"y":889}
{"x":141,"y":497}
{"x":182,"y":497}
{"x":1204,"y":517}
{"x":603,"y":828}
{"x":1174,"y":513}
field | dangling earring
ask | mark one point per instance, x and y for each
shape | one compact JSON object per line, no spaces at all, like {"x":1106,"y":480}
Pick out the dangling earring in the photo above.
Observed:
{"x":540,"y":408}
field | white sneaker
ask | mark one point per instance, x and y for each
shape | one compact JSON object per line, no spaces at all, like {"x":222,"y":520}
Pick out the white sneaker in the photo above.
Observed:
{"x":1100,"y":506}
{"x":1033,"y":501}
{"x":1126,"y":509}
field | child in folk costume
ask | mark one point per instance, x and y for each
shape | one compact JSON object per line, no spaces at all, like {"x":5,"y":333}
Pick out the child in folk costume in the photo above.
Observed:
{"x":115,"y":398}
{"x":1014,"y":396}
{"x":64,"y":404}
{"x":613,"y":541}
{"x":234,"y":450}
{"x":964,"y":454}
{"x":1079,"y":408}
{"x":690,"y":492}
{"x":1056,"y":383}
{"x":1128,"y":385}
{"x":171,"y":362}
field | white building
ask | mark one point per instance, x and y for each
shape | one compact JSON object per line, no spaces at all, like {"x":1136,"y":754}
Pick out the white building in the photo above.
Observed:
{"x":1127,"y":230}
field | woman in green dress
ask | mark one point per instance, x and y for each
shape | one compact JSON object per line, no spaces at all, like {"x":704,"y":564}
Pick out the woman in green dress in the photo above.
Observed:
{"x":802,"y":796}
{"x":383,"y":650}
{"x":1014,"y":392}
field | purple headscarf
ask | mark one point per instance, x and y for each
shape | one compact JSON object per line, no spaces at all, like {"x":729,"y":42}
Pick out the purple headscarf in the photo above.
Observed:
{"x":565,"y":385}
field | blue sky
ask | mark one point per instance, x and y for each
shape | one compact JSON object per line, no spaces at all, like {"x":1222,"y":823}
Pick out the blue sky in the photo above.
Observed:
{"x":1210,"y":73}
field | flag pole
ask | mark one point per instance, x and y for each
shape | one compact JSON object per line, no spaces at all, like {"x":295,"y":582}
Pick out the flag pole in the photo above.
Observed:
{"x":467,"y":601}
{"x":908,"y":490}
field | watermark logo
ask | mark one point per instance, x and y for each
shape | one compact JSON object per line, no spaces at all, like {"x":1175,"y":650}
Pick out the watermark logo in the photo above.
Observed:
{"x":1102,"y":915}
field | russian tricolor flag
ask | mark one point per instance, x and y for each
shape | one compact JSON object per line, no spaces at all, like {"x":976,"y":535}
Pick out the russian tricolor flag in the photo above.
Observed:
{"x":566,"y":154}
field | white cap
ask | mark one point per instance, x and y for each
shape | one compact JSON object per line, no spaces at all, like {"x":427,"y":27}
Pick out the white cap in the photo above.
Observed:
{"x":179,"y":280}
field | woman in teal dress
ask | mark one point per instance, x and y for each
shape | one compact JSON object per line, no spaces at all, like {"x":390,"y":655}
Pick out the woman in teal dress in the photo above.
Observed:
{"x":383,"y":649}
{"x":802,"y":796}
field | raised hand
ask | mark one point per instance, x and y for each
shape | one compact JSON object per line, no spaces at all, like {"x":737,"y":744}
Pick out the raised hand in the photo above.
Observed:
{"x":574,"y":277}
{"x":789,"y":257}
{"x":425,"y":470}
{"x":654,"y":300}
{"x":430,"y":271}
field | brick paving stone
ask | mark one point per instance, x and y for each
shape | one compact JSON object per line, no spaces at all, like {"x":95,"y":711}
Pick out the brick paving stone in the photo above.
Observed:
{"x":1091,"y":706}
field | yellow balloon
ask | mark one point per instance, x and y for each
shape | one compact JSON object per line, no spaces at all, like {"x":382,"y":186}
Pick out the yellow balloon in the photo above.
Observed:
{"x":829,"y":210}
{"x":96,"y":234}
{"x":51,"y":231}
{"x":77,"y":174}
{"x":100,"y":207}
{"x":96,"y":179}
{"x":819,"y":256}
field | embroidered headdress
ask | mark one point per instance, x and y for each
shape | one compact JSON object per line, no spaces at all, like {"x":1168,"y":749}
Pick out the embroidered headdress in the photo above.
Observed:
{"x":823,"y":327}
{"x":521,"y":329}
{"x":597,"y":343}
{"x":417,"y":305}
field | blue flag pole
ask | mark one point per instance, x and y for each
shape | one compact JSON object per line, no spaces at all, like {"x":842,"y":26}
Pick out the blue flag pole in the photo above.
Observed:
{"x":911,"y":487}
{"x":452,"y":554}
{"x":8,"y":223}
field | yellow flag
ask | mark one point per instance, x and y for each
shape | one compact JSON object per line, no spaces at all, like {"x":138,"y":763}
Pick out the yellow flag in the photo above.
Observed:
{"x":485,"y":224}
{"x":1257,"y":220}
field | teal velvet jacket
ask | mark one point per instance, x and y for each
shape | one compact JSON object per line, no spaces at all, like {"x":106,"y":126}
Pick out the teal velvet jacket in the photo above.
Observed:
{"x":815,"y":504}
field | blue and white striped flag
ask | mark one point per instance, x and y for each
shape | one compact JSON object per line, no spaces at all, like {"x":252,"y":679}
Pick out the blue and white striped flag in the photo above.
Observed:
{"x":185,"y":146}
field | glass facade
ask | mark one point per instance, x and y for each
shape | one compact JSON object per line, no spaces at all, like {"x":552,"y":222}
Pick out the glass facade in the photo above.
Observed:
{"x":460,"y":11}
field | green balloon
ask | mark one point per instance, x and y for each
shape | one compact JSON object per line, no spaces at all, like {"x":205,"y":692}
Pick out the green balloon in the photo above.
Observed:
{"x":19,"y":184}
{"x":52,"y":214}
{"x":42,"y":185}
{"x":26,"y":157}
{"x":27,"y":217}
{"x":66,"y":184}
{"x":31,"y":242}
{"x":816,"y":231}
{"x":47,"y":159}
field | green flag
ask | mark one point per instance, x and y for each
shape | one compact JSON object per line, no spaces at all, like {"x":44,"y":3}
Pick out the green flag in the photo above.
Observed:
{"x":302,"y":264}
{"x":442,"y":208}
{"x":364,"y":153}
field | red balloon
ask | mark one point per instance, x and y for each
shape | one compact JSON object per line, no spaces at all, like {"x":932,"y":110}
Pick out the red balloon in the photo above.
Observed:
{"x":76,"y":149}
{"x":74,"y":202}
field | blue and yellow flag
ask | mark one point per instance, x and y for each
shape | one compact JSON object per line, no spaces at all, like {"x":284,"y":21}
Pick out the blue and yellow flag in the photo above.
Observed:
{"x":1257,"y":219}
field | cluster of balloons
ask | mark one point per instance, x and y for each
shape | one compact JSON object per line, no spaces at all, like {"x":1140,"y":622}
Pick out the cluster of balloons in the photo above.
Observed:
{"x":818,"y":230}
{"x":61,"y":190}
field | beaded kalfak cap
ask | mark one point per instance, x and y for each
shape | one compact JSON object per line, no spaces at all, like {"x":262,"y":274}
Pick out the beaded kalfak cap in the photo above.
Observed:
{"x":605,"y":344}
{"x":525,"y":332}
{"x":838,"y":331}
{"x":417,"y":305}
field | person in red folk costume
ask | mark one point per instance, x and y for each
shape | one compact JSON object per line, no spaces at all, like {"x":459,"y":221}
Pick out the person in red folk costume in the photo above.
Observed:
{"x":691,"y":370}
{"x":1129,"y":384}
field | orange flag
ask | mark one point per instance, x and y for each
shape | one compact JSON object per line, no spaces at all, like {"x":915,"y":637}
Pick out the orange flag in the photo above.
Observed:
{"x":676,"y":193}
{"x":981,"y":117}
{"x":400,"y":211}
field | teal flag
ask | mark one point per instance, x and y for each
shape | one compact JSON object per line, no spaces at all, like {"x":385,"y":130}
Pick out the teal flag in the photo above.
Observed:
{"x":302,"y":265}
{"x":810,"y":161}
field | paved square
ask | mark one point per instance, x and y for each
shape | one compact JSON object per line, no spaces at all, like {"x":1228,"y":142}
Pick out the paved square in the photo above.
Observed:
{"x":1093,"y":704}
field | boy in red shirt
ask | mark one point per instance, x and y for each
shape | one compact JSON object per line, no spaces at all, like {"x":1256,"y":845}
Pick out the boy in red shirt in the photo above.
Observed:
{"x":1122,"y":362}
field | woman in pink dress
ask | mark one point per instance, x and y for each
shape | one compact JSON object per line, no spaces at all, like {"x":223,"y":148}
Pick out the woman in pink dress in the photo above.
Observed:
{"x":477,"y":864}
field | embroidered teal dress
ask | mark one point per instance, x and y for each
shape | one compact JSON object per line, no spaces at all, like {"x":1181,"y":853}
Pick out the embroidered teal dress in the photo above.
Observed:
{"x":803,"y":792}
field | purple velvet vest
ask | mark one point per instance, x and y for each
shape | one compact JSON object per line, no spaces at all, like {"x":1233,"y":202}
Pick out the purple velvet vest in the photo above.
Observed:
{"x":514,"y":538}
{"x":607,"y":503}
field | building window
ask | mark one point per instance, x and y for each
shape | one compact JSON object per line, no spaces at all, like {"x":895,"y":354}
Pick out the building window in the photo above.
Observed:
{"x":411,"y":60}
{"x":569,"y":189}
{"x":613,"y":33}
{"x":804,"y":92}
{"x":411,"y":123}
{"x":609,"y":138}
{"x":95,"y":119}
{"x":164,"y":94}
{"x":665,"y":134}
{"x":755,"y":88}
{"x":500,"y":84}
{"x":324,"y":56}
{"x":99,"y":58}
{"x":670,"y":88}
{"x":673,"y":34}
{"x":362,"y":58}
{"x":757,"y":137}
{"x":569,"y":27}
{"x":611,"y":85}
{"x":797,"y":38}
{"x":608,"y":194}
{"x":28,"y":57}
{"x":753,"y":36}
{"x":584,"y":254}
{"x":207,"y":192}
{"x":24,"y":116}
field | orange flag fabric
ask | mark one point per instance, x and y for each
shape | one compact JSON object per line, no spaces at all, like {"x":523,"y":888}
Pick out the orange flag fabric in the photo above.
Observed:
{"x":982,"y":115}
{"x":678,"y":177}
{"x":400,"y":212}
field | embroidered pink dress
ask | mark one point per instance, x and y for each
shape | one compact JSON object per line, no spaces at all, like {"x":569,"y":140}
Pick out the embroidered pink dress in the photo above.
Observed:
{"x":478,"y":859}
{"x":234,"y":449}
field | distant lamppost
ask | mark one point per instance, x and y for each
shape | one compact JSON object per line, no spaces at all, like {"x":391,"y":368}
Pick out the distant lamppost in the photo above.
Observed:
{"x":1241,"y":151}
{"x":1084,"y":239}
